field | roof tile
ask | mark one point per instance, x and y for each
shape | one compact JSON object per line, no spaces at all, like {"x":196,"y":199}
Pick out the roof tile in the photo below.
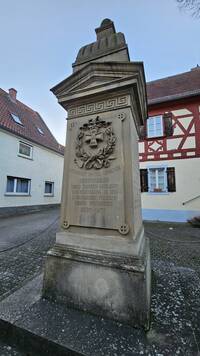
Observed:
{"x":30,"y":119}
{"x":174,"y":87}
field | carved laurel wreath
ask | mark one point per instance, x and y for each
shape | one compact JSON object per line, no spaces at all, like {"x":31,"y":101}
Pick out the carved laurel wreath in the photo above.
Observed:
{"x":91,"y":133}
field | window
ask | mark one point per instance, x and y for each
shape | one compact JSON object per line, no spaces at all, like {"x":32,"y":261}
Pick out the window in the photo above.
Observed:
{"x":16,"y":119}
{"x":17,"y":186}
{"x":155,"y":126}
{"x":40,"y":131}
{"x":158,"y":179}
{"x":49,"y":188}
{"x":25,"y":150}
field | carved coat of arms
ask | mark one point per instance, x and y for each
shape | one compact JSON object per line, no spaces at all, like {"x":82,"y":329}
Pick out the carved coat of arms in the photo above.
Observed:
{"x":95,"y":144}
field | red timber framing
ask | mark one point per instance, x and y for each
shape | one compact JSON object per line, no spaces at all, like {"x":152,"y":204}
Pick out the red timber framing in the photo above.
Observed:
{"x":185,"y":141}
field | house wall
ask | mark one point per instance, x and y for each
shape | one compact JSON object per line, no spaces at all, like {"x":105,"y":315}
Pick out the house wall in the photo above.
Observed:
{"x":46,"y":165}
{"x":169,"y":206}
{"x":182,"y":151}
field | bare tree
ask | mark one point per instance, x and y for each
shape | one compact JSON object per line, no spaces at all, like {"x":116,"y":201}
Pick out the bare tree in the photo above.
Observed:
{"x":191,"y":5}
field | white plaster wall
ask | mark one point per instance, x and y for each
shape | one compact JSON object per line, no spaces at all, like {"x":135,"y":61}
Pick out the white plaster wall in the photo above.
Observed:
{"x":187,"y":173}
{"x":45,"y":166}
{"x":141,"y":147}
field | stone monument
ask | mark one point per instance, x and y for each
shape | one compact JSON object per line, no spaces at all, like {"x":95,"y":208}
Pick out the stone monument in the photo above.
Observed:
{"x":100,"y":262}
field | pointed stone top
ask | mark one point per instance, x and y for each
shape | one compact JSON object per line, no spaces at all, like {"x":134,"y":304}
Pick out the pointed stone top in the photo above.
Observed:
{"x":106,"y":29}
{"x":109,"y":46}
{"x":106,"y":22}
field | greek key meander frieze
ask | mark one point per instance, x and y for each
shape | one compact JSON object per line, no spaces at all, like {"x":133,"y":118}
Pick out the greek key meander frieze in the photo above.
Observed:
{"x":100,"y":106}
{"x":95,"y":144}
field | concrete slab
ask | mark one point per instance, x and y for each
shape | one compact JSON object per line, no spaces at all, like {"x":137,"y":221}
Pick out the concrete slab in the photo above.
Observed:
{"x":8,"y":350}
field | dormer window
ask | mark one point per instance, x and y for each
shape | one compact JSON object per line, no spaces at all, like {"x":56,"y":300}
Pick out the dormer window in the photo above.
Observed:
{"x":16,"y":119}
{"x":40,"y":131}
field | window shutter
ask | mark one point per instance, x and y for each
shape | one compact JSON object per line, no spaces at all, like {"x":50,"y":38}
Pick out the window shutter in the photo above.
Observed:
{"x":144,"y":180}
{"x":143,"y":132}
{"x":171,"y":181}
{"x":168,"y":125}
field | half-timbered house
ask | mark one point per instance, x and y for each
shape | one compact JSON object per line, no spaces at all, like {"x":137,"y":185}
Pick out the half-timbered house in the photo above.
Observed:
{"x":169,"y":149}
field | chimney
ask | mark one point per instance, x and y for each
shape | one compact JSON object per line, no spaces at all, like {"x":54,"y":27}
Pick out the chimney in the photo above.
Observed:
{"x":196,"y":68}
{"x":13,"y":94}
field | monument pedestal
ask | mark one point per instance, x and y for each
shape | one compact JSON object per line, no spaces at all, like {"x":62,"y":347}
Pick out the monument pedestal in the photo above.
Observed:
{"x":114,"y":284}
{"x":100,"y":262}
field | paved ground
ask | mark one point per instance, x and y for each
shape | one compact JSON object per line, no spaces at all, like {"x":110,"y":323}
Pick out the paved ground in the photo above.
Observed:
{"x":24,"y":242}
{"x":175,"y":250}
{"x":178,"y":244}
{"x":20,"y":229}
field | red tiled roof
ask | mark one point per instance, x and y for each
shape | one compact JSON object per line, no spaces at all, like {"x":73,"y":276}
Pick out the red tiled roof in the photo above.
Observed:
{"x":30,"y":119}
{"x":175,"y":87}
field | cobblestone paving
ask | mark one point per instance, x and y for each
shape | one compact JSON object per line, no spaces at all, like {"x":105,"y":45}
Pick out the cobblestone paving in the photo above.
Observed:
{"x":175,"y":254}
{"x":175,"y":243}
{"x":22,"y":263}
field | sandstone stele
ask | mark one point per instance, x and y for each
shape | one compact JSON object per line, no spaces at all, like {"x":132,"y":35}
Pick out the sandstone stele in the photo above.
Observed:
{"x":100,"y":262}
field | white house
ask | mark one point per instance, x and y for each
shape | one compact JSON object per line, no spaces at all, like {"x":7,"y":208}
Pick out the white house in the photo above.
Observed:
{"x":31,"y":160}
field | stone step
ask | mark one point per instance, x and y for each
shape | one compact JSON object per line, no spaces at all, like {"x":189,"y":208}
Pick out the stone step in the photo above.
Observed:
{"x":7,"y":349}
{"x":18,"y":339}
{"x":40,"y":327}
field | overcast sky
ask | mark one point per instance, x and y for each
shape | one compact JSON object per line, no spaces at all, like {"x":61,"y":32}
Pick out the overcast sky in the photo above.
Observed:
{"x":40,"y":40}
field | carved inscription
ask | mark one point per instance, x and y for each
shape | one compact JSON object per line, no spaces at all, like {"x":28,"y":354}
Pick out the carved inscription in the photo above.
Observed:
{"x":94,"y":192}
{"x":96,"y":183}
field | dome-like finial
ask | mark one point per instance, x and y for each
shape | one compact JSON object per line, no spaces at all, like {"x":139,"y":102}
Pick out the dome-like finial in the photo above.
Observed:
{"x":106,"y":29}
{"x":106,"y":22}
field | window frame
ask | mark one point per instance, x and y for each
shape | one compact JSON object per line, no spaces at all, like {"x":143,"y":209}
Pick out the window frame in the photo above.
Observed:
{"x":40,"y":130}
{"x":49,"y":194}
{"x":170,"y":179}
{"x":155,"y":133}
{"x":157,"y":191}
{"x":21,"y":154}
{"x":15,"y":193}
{"x":16,"y":117}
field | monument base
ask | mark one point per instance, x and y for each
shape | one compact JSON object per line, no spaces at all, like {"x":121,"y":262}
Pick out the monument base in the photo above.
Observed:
{"x":110,"y":284}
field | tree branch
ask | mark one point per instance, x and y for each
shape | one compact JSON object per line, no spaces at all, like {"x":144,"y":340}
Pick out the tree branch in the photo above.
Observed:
{"x":191,"y":5}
